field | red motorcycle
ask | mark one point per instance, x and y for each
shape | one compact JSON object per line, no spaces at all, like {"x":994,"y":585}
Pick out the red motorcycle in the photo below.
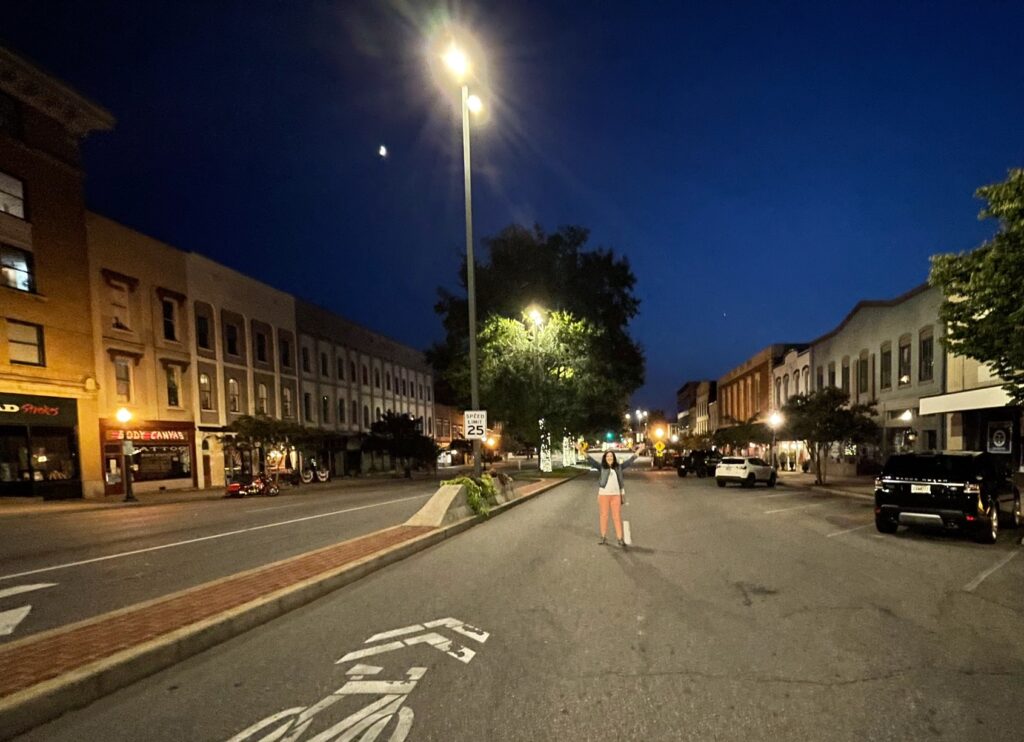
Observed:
{"x":260,"y":484}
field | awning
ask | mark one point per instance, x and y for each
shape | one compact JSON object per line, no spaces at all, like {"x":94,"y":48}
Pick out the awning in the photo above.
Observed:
{"x":971,"y":399}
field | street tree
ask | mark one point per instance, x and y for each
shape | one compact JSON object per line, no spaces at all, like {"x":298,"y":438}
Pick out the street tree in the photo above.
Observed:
{"x":549,"y":371}
{"x":399,"y":437}
{"x":556,"y":272}
{"x":983,"y":306}
{"x":743,"y":434}
{"x":825,"y":418}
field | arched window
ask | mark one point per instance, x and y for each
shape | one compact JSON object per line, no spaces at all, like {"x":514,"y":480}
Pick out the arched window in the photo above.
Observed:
{"x":261,"y":399}
{"x":387,"y":380}
{"x":366,"y":416}
{"x":205,"y":392}
{"x":377,"y":413}
{"x":341,"y":410}
{"x":355,"y":413}
{"x":234,"y":396}
{"x":430,"y":426}
{"x":325,"y":409}
{"x":376,"y":377}
{"x":366,"y":376}
{"x":286,"y":401}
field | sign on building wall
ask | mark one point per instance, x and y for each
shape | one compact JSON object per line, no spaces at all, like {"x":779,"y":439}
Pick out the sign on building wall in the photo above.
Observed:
{"x":1000,"y":437}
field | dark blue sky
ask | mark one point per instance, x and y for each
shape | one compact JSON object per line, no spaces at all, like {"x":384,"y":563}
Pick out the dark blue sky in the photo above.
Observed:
{"x":763,"y":165}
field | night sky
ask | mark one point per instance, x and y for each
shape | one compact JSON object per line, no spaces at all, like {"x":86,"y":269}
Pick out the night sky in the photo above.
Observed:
{"x":763,"y":165}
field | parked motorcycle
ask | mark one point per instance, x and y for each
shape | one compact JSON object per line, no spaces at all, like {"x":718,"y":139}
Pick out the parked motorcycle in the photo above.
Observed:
{"x":257,"y":485}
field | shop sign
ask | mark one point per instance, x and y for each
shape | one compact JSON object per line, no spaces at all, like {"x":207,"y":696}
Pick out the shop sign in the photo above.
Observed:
{"x":25,"y":409}
{"x":170,"y":436}
{"x":1000,"y":437}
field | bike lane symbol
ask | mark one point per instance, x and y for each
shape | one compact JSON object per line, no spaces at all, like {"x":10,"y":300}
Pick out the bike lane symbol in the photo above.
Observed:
{"x":369,"y":722}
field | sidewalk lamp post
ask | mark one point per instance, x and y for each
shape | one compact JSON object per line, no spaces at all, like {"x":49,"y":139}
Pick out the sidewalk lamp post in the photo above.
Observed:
{"x":124,"y":416}
{"x":458,"y":64}
{"x":774,"y":421}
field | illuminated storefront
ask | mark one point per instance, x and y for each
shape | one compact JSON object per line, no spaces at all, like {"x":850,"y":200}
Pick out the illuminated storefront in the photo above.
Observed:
{"x":164,"y":459}
{"x":38,"y":447}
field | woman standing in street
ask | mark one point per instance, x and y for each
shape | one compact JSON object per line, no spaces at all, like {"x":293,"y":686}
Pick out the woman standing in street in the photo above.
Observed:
{"x":610,"y":492}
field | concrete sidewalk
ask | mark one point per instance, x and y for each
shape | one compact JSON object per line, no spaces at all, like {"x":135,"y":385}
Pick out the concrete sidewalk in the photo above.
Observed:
{"x":44,"y":675}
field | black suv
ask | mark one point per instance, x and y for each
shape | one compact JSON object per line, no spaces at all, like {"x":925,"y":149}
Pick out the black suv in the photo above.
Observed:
{"x":966,"y":490}
{"x":701,"y":463}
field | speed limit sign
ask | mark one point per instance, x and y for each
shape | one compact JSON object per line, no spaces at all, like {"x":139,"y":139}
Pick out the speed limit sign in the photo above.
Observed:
{"x":476,"y":424}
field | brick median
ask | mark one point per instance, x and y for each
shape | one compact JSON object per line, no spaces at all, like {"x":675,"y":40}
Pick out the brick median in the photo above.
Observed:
{"x":32,"y":662}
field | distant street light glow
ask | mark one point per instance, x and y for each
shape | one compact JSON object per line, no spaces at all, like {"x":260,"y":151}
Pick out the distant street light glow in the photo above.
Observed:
{"x":123,"y":415}
{"x":775,"y":420}
{"x":907,"y":416}
{"x":383,"y":151}
{"x":536,"y":317}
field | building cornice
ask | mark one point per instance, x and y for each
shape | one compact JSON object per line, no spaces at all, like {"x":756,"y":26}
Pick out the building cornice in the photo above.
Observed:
{"x":29,"y":84}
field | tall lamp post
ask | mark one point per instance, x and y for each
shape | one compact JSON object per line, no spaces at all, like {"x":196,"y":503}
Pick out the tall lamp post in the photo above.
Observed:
{"x":124,"y":416}
{"x":774,"y":421}
{"x":458,"y":64}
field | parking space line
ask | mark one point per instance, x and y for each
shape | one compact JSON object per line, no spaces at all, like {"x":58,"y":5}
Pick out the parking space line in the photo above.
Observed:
{"x":626,"y":535}
{"x":971,"y":586}
{"x":798,"y":507}
{"x":848,"y":530}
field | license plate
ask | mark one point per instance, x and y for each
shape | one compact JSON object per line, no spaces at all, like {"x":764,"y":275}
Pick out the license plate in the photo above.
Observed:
{"x":921,"y":489}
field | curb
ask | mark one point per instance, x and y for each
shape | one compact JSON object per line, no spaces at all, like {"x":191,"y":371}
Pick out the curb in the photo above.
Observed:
{"x":828,"y":490}
{"x":78,"y":688}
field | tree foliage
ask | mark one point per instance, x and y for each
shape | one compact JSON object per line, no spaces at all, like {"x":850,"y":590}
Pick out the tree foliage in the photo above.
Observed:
{"x":557,"y":273}
{"x":398,"y":436}
{"x":824,"y":418}
{"x":984,"y":289}
{"x":550,"y":371}
{"x":739,"y":436}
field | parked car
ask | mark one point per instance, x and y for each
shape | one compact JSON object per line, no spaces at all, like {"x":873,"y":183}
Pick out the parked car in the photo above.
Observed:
{"x":700,"y":462}
{"x":745,"y":471}
{"x":971,"y":491}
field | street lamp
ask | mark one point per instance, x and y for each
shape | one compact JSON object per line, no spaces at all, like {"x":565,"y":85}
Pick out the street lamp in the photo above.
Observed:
{"x":774,"y":421}
{"x":458,"y":64}
{"x":124,"y":416}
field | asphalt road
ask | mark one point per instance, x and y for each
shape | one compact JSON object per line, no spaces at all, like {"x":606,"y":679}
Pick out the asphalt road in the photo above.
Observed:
{"x":94,"y":561}
{"x":736,"y":615}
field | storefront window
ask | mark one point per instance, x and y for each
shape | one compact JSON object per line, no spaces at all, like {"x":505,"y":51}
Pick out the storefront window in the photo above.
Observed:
{"x":162,"y":462}
{"x":36,"y":455}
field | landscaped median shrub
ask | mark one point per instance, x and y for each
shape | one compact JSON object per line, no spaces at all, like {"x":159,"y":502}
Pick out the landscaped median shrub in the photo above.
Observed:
{"x":479,"y":494}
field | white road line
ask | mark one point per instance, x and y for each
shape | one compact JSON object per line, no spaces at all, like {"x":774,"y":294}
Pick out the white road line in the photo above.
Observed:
{"x":275,"y":507}
{"x":626,"y":535}
{"x":848,"y":530}
{"x":971,"y":586}
{"x":798,"y":507}
{"x":205,"y":538}
{"x":9,"y":620}
{"x":19,"y":589}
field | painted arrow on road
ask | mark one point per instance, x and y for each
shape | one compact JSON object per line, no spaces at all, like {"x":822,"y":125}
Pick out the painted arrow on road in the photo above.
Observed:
{"x":9,"y":620}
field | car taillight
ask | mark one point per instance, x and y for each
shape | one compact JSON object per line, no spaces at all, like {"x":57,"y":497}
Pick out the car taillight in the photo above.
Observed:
{"x":234,"y":487}
{"x":972,"y":489}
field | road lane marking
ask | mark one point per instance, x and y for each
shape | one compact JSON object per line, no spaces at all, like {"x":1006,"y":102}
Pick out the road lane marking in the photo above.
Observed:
{"x":19,"y":589}
{"x":848,"y":530}
{"x":971,"y":586}
{"x":276,"y":507}
{"x":798,"y":507}
{"x":211,"y":537}
{"x":9,"y":620}
{"x":627,"y":537}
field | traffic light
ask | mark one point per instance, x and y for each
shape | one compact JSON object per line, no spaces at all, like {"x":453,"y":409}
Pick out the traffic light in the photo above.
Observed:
{"x":609,"y":435}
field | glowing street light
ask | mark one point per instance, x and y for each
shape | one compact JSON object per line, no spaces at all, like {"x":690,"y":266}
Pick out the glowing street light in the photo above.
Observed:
{"x":536,"y":316}
{"x":456,"y":61}
{"x":458,"y":64}
{"x":907,"y":416}
{"x":124,"y":416}
{"x":774,"y":421}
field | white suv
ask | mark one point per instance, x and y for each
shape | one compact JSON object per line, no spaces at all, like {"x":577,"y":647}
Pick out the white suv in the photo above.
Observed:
{"x":745,"y":471}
